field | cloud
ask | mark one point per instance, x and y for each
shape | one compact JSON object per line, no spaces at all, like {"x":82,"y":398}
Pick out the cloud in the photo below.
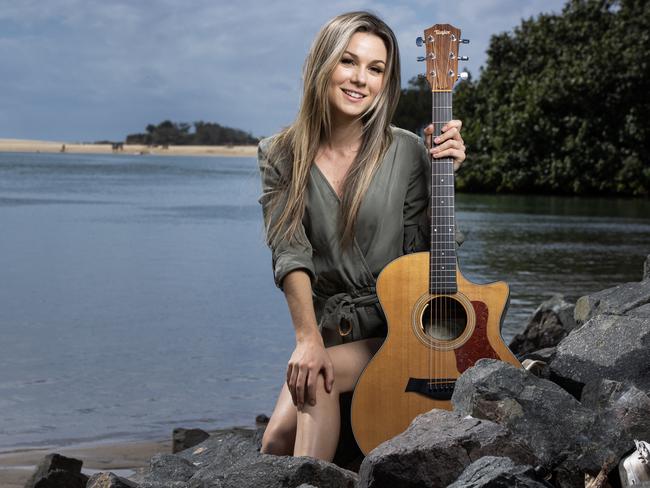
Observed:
{"x":88,"y":70}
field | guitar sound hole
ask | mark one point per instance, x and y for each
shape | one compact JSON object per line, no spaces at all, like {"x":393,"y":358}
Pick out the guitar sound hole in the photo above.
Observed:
{"x":443,"y":318}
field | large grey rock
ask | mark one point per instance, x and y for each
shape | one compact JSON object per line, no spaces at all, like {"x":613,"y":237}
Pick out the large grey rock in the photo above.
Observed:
{"x":622,"y":415}
{"x":225,"y":448}
{"x":275,"y":472}
{"x":435,"y":449}
{"x":537,"y":411}
{"x":619,"y":300}
{"x":218,"y":452}
{"x":169,"y":467}
{"x":162,"y":484}
{"x":646,"y":268}
{"x":109,"y":480}
{"x":550,"y":323}
{"x":607,"y":346}
{"x":498,"y":472}
{"x":185,"y":438}
{"x":56,"y":470}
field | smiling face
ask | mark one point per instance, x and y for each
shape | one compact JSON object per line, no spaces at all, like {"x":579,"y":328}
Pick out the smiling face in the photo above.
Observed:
{"x":358,"y":77}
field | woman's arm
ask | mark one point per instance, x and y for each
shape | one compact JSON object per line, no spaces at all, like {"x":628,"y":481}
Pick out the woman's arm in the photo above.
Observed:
{"x":309,"y":358}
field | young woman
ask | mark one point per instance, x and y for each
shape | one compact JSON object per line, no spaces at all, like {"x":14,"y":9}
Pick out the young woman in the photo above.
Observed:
{"x":343,"y":194}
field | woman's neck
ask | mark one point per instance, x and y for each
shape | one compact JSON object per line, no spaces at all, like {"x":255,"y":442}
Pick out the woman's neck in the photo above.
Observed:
{"x":345,"y":137}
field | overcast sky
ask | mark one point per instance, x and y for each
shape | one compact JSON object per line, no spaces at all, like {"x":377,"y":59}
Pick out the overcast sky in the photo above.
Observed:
{"x":84,"y":70}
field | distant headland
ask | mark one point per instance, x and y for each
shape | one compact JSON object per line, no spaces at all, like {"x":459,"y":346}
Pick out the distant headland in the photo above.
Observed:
{"x":167,"y":138}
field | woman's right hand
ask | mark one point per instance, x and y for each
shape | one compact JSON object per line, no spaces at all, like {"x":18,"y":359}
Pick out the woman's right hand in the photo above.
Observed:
{"x":309,"y":359}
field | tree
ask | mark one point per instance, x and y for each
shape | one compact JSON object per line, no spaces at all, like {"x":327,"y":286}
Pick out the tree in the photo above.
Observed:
{"x":561,"y":104}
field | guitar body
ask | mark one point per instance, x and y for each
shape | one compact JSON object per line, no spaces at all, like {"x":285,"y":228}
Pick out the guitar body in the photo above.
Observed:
{"x":415,"y":369}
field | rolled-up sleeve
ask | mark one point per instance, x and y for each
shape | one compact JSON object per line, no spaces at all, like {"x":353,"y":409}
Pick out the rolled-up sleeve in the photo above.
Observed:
{"x":286,"y":256}
{"x":416,"y":204}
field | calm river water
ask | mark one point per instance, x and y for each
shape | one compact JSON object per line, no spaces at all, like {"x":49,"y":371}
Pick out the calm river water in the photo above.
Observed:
{"x":136,"y":292}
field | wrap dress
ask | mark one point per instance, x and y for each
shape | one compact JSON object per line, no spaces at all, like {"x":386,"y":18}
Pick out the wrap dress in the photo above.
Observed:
{"x":392,"y":221}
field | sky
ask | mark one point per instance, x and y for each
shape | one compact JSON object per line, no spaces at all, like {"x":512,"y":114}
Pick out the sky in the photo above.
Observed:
{"x":87,"y":70}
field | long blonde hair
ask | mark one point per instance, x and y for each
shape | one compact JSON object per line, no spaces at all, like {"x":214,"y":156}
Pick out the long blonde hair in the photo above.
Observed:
{"x":297,"y":145}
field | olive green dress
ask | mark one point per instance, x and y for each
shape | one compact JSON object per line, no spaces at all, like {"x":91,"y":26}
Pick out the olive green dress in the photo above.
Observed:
{"x":392,"y":221}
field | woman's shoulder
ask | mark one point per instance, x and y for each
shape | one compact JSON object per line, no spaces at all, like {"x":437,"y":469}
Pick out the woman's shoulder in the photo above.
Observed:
{"x":264,"y":145}
{"x":407,"y":141}
{"x":403,"y":134}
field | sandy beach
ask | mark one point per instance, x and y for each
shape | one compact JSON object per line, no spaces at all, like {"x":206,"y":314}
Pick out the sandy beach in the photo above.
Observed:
{"x":120,"y":458}
{"x":25,"y":145}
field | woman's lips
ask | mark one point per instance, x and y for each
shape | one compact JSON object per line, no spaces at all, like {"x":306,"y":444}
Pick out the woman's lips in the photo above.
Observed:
{"x":351,"y":98}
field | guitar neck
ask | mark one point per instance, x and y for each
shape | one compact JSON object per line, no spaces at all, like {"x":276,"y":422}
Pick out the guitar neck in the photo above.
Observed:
{"x":442,"y":269}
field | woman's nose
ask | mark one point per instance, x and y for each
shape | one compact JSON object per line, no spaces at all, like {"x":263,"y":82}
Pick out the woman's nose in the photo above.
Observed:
{"x":359,"y":76}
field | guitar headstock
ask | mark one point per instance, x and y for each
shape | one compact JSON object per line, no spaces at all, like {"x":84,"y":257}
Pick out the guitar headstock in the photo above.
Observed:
{"x":441,"y":42}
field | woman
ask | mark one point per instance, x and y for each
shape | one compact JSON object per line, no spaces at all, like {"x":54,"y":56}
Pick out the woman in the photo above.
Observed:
{"x":344,"y":193}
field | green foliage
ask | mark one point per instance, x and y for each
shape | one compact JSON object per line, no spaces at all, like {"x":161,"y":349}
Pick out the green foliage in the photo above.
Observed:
{"x":205,"y":133}
{"x":562,"y":105}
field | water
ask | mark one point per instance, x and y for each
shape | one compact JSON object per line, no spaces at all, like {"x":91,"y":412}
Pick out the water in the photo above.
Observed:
{"x":136,"y":292}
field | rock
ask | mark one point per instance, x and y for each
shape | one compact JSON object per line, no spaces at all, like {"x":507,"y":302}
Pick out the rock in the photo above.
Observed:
{"x":435,"y":449}
{"x":262,"y":419}
{"x":550,"y":323}
{"x":607,"y":346}
{"x":160,"y":484}
{"x":225,"y":448}
{"x":545,"y":354}
{"x":169,"y":467}
{"x":622,"y":415}
{"x":185,"y":438}
{"x":498,"y":472}
{"x":56,"y":470}
{"x":109,"y":480}
{"x":619,"y":300}
{"x":537,"y":411}
{"x":646,"y":268}
{"x":275,"y":472}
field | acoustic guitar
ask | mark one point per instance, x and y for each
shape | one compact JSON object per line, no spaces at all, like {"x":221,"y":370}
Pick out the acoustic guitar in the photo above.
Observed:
{"x":439,"y":323}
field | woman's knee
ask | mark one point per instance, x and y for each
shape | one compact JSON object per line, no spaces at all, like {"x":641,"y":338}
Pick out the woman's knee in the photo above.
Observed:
{"x":275,"y":442}
{"x":278,"y":439}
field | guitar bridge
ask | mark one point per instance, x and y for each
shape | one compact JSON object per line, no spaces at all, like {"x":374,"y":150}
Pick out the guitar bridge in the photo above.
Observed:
{"x":434,"y":388}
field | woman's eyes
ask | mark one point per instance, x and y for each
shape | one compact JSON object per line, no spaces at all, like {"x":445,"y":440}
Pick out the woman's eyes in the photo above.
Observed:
{"x":376,"y":69}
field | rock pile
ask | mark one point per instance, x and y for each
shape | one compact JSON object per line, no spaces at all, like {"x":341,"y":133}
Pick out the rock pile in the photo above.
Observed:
{"x":510,"y":427}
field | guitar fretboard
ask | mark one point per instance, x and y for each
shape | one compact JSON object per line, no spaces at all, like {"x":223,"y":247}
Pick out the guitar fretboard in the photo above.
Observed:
{"x":442,"y":270}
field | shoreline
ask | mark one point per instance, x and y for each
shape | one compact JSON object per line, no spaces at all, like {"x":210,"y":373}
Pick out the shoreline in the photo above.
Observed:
{"x":35,"y":146}
{"x":119,"y":457}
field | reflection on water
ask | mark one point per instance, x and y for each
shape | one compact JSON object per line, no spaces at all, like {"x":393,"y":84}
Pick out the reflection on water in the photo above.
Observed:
{"x":137,"y":293}
{"x":546,"y":245}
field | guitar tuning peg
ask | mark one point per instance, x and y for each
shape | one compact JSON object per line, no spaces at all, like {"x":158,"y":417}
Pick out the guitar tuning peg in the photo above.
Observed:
{"x":419,"y":41}
{"x":421,"y":58}
{"x":464,"y":41}
{"x":463,"y":76}
{"x":463,"y":58}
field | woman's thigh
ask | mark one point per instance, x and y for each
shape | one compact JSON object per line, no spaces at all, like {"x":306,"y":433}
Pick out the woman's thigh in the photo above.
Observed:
{"x":350,"y":359}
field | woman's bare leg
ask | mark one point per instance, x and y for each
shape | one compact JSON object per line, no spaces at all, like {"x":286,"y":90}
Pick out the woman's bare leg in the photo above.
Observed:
{"x":280,"y":434}
{"x":317,"y":427}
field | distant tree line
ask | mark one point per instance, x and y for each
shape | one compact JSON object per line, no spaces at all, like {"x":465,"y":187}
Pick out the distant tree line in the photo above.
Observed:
{"x":181,"y":134}
{"x":561,"y":106}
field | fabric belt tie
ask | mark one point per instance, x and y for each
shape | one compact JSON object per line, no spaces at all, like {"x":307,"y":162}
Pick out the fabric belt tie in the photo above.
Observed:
{"x":340,"y":315}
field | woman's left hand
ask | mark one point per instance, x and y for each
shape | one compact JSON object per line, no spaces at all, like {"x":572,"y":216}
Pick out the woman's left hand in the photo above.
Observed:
{"x":449,"y":144}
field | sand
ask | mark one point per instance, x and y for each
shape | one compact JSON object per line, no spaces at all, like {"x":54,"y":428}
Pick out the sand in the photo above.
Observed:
{"x":120,"y":458}
{"x":25,"y":145}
